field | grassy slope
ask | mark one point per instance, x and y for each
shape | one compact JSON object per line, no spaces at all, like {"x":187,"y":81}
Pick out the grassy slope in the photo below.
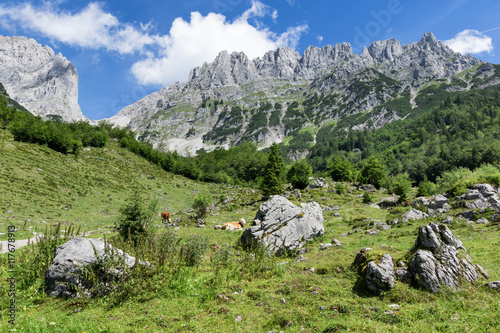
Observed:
{"x":106,"y":177}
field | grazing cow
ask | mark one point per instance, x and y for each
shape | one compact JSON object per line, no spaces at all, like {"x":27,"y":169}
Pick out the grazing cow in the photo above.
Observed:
{"x":165,"y":216}
{"x":234,"y":225}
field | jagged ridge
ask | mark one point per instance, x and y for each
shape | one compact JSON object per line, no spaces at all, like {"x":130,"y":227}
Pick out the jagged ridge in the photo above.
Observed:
{"x":258,"y":95}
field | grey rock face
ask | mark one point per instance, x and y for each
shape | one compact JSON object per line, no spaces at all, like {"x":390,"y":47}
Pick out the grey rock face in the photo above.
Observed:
{"x":281,"y":226}
{"x":43,"y":82}
{"x":65,"y":273}
{"x":380,"y":277}
{"x":441,"y":258}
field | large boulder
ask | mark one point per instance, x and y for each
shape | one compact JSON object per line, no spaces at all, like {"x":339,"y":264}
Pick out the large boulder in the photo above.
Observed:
{"x":65,"y":277}
{"x":376,"y":271}
{"x":282,"y":226}
{"x":441,"y":259}
{"x":380,"y":277}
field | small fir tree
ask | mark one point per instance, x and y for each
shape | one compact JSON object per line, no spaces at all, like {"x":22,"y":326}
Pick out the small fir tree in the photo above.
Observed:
{"x":272,"y":181}
{"x":299,"y":174}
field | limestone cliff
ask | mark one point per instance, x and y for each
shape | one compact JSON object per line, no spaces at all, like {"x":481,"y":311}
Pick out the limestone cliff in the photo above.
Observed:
{"x":43,"y":82}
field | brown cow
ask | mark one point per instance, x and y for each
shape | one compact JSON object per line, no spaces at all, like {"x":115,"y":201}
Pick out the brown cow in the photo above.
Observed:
{"x":234,"y":225}
{"x":165,"y":216}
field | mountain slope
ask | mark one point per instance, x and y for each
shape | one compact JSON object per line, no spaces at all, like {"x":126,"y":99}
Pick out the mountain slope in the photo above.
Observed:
{"x":288,"y":98}
{"x":40,"y":80}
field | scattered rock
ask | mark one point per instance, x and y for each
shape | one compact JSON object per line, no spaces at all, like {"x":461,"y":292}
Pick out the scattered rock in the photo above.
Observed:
{"x":368,"y":188}
{"x":282,"y":227}
{"x":482,"y":221}
{"x":388,"y":202}
{"x":300,"y":258}
{"x":447,"y":220}
{"x":325,"y":246}
{"x":64,"y":275}
{"x":318,"y":183}
{"x":380,"y":277}
{"x":414,"y":214}
{"x":493,"y":285}
{"x":437,"y":259}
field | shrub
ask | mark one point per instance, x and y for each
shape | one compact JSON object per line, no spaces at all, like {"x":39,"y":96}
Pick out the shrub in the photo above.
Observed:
{"x":201,"y":203}
{"x":402,"y":187}
{"x":299,"y":174}
{"x":426,"y":188}
{"x":367,"y":198}
{"x":340,"y":188}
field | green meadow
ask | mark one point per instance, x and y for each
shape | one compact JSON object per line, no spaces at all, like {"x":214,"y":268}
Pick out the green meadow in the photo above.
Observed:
{"x":217,"y":287}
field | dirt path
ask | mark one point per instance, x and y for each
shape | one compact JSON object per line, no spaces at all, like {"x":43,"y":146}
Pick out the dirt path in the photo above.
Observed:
{"x":18,"y":244}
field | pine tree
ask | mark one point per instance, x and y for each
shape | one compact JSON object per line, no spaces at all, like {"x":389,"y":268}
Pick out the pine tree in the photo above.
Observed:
{"x":272,"y":182}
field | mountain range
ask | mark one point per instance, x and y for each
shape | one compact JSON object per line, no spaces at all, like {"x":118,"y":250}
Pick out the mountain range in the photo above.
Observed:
{"x":280,"y":97}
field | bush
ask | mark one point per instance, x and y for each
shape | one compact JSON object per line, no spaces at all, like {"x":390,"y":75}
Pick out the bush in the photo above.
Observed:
{"x":299,"y":174}
{"x":201,"y":203}
{"x":402,"y":187}
{"x":367,"y":198}
{"x":426,"y":188}
{"x":340,"y":188}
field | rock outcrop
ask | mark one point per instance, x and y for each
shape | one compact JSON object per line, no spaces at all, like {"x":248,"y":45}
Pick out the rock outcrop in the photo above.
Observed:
{"x":380,"y":277}
{"x":65,"y":277}
{"x":377,"y":275}
{"x":43,"y":82}
{"x":441,"y":259}
{"x":283,"y":227}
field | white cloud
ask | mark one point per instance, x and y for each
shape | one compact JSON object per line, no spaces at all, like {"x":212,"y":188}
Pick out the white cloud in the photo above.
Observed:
{"x":89,"y":28}
{"x":320,"y":39}
{"x":470,"y":41}
{"x":190,"y":44}
{"x":166,"y":58}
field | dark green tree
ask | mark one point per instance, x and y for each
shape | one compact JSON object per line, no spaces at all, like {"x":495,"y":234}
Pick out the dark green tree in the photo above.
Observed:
{"x":373,"y":172}
{"x":272,"y":181}
{"x":299,"y":174}
{"x":136,"y":218}
{"x":341,"y":170}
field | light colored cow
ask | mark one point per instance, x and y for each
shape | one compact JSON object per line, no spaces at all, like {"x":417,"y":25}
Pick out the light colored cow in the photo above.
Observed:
{"x":234,"y":225}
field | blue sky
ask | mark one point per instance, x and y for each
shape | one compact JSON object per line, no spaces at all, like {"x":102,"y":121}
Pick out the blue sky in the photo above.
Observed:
{"x":124,"y":50}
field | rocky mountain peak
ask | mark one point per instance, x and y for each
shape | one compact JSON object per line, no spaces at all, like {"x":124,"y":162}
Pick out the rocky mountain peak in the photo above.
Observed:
{"x":235,"y":98}
{"x":385,"y":50}
{"x":43,"y":82}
